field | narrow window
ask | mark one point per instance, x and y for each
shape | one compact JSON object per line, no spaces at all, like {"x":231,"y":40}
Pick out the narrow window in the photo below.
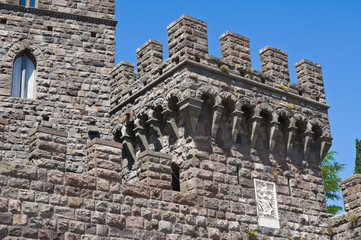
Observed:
{"x":28,"y":3}
{"x":175,"y":177}
{"x":23,"y":77}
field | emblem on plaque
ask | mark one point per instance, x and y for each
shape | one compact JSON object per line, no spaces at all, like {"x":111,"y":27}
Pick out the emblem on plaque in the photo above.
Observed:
{"x":266,"y":199}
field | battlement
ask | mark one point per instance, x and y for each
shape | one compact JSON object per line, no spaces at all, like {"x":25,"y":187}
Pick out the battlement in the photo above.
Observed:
{"x":187,"y":41}
{"x":203,"y":147}
{"x":104,"y":9}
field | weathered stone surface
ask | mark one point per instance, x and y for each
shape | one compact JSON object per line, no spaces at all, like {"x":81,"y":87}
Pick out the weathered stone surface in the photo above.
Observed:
{"x":191,"y":134}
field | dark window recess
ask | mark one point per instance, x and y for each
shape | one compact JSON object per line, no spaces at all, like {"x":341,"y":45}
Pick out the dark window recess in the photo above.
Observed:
{"x":93,"y":34}
{"x":50,"y":28}
{"x":300,"y":92}
{"x":3,"y":21}
{"x":237,"y":174}
{"x":93,"y":131}
{"x":175,"y":177}
{"x":93,"y":135}
{"x":46,"y":118}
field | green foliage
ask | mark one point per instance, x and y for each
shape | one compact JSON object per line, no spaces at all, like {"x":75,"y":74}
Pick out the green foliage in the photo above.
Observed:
{"x":330,"y":170}
{"x":358,"y":157}
{"x":333,"y":209}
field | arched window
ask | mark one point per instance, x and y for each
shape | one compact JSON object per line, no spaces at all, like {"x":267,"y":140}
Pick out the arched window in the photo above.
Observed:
{"x":28,"y":3}
{"x":23,"y":77}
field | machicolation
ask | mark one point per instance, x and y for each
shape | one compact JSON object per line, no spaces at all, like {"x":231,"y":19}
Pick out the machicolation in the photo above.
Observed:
{"x":192,"y":147}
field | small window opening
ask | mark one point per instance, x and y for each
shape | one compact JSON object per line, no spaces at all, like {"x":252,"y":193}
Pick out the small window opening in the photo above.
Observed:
{"x":198,"y":59}
{"x":237,"y":175}
{"x":93,"y":34}
{"x":23,"y":82}
{"x":93,"y":135}
{"x":45,"y":118}
{"x":300,"y":92}
{"x":50,"y":28}
{"x":3,"y":21}
{"x":317,"y":99}
{"x":175,"y":177}
{"x":176,"y":60}
{"x":29,"y":3}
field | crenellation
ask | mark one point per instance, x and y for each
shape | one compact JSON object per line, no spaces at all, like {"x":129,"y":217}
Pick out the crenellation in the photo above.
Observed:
{"x":309,"y":74}
{"x":149,"y":56}
{"x":184,"y":149}
{"x":351,"y":188}
{"x":187,"y":39}
{"x":274,"y":62}
{"x":236,"y":49}
{"x":123,"y":76}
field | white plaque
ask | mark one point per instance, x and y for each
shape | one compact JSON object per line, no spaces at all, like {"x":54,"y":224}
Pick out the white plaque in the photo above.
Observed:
{"x":266,"y":200}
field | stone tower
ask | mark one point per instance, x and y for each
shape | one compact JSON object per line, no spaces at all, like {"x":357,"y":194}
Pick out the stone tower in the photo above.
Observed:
{"x":72,"y":44}
{"x":245,"y":146}
{"x":191,"y":147}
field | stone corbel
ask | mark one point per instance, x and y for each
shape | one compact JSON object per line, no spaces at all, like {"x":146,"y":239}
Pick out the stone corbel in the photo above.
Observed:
{"x":190,"y":108}
{"x":291,"y":134}
{"x":236,"y":124}
{"x":171,"y":123}
{"x":140,"y":134}
{"x":307,"y":140}
{"x":155,"y":125}
{"x":326,"y":143}
{"x":127,"y":141}
{"x":273,"y":135}
{"x":255,"y":129}
{"x":217,"y":114}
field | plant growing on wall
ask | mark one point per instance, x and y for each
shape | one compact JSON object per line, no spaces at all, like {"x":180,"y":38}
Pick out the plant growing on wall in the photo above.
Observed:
{"x":330,"y":170}
{"x":358,"y":157}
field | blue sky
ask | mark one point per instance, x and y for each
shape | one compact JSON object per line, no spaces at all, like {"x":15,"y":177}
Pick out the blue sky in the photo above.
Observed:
{"x":326,"y":32}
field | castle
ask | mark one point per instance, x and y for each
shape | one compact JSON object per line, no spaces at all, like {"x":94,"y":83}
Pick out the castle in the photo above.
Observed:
{"x":193,"y":147}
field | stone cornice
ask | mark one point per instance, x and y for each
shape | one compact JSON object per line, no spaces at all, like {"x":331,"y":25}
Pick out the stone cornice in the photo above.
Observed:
{"x":188,"y":62}
{"x":55,"y":14}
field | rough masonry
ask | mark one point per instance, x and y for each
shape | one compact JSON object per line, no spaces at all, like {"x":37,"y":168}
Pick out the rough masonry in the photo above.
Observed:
{"x":192,"y":147}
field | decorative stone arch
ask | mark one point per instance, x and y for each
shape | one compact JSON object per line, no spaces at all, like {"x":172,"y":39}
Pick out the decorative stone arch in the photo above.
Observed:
{"x":160,"y":102}
{"x":263,"y":107}
{"x":21,"y":47}
{"x":282,"y":112}
{"x":206,"y":90}
{"x":26,"y":45}
{"x":143,"y":111}
{"x":225,"y":95}
{"x":245,"y":102}
{"x":174,"y":93}
{"x":299,"y":117}
{"x":318,"y":124}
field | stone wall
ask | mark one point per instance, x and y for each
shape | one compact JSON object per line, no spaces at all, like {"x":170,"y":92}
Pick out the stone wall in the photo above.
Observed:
{"x":96,"y":9}
{"x":227,"y":126}
{"x":72,"y":78}
{"x":244,"y":146}
{"x":348,"y":224}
